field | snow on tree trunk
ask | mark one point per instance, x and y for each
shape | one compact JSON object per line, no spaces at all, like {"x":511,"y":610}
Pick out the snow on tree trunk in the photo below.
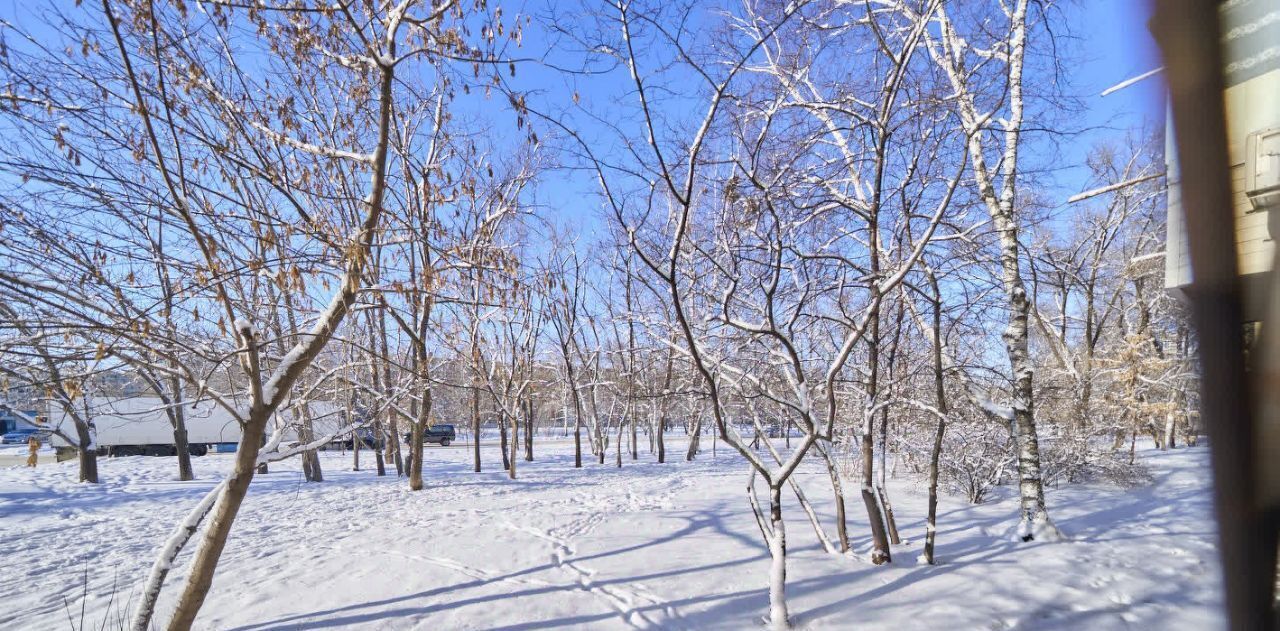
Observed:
{"x":88,"y":463}
{"x":87,"y":454}
{"x":879,"y":538}
{"x":880,"y":553}
{"x":393,"y":446}
{"x":837,"y":488}
{"x":169,"y":552}
{"x":231,"y":496}
{"x":306,"y":434}
{"x":1034,"y":522}
{"x":778,"y":619}
{"x":694,"y":436}
{"x":813,"y":517}
{"x":941,"y":403}
{"x":263,"y":468}
{"x":887,"y":508}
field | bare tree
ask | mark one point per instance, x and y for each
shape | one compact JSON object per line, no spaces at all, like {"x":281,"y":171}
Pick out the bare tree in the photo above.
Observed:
{"x":963,"y":57}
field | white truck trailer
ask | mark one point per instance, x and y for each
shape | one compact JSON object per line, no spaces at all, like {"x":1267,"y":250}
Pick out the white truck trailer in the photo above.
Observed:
{"x":139,"y":426}
{"x":136,"y":426}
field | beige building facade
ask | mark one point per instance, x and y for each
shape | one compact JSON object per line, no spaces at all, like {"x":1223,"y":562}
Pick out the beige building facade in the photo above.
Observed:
{"x":1251,"y":41}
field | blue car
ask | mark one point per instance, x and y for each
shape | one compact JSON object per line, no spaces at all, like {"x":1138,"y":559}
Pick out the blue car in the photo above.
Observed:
{"x":20,"y":436}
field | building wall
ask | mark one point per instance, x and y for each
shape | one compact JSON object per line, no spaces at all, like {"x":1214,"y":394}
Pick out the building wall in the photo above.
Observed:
{"x":1251,"y":106}
{"x":1252,"y":101}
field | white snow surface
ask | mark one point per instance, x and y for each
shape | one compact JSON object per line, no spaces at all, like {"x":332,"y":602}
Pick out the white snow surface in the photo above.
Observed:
{"x":670,"y":546}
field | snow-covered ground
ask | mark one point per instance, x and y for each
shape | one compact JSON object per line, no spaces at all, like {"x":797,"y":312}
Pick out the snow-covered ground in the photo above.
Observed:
{"x":650,"y":546}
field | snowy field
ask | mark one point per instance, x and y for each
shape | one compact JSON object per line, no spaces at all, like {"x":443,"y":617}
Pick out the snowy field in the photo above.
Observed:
{"x":669,"y":546}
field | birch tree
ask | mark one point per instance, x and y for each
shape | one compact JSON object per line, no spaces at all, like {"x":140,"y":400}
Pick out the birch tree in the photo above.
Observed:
{"x":968,"y":60}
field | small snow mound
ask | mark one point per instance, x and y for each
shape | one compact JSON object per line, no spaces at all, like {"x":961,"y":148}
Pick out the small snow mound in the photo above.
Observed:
{"x":1042,"y":529}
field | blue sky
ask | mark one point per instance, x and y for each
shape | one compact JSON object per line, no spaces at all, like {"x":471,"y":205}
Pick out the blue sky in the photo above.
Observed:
{"x":1103,"y":43}
{"x":1113,"y":45}
{"x":1106,"y":42}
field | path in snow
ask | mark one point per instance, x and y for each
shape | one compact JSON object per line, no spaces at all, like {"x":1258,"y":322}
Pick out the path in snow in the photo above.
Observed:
{"x":649,"y":546}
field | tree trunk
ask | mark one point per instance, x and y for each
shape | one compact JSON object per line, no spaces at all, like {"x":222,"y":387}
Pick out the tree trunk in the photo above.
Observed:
{"x":263,"y":469}
{"x":394,"y":446}
{"x":177,"y":416}
{"x":778,"y":618}
{"x":475,"y":428}
{"x":142,"y":616}
{"x":888,"y":515}
{"x":415,"y":455}
{"x":424,"y":421}
{"x":694,"y":436}
{"x":1034,"y":520}
{"x":662,"y":445}
{"x":1086,"y":395}
{"x":306,"y":469}
{"x":1133,"y":442}
{"x":882,"y":489}
{"x":940,"y":401}
{"x":528,"y":431}
{"x":837,"y":487}
{"x":207,"y":555}
{"x":577,"y":442}
{"x":931,"y":522}
{"x":602,"y":437}
{"x":310,"y":459}
{"x":511,"y":460}
{"x":183,"y":448}
{"x":87,"y":455}
{"x":311,"y":455}
{"x":378,"y":439}
{"x":502,"y":441}
{"x":649,"y":434}
{"x":380,"y":444}
{"x":355,"y":452}
{"x":879,"y":537}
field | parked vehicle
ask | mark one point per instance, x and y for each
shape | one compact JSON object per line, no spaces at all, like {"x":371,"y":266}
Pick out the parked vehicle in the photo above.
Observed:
{"x":22,"y":435}
{"x":367,"y":439}
{"x":439,"y":434}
